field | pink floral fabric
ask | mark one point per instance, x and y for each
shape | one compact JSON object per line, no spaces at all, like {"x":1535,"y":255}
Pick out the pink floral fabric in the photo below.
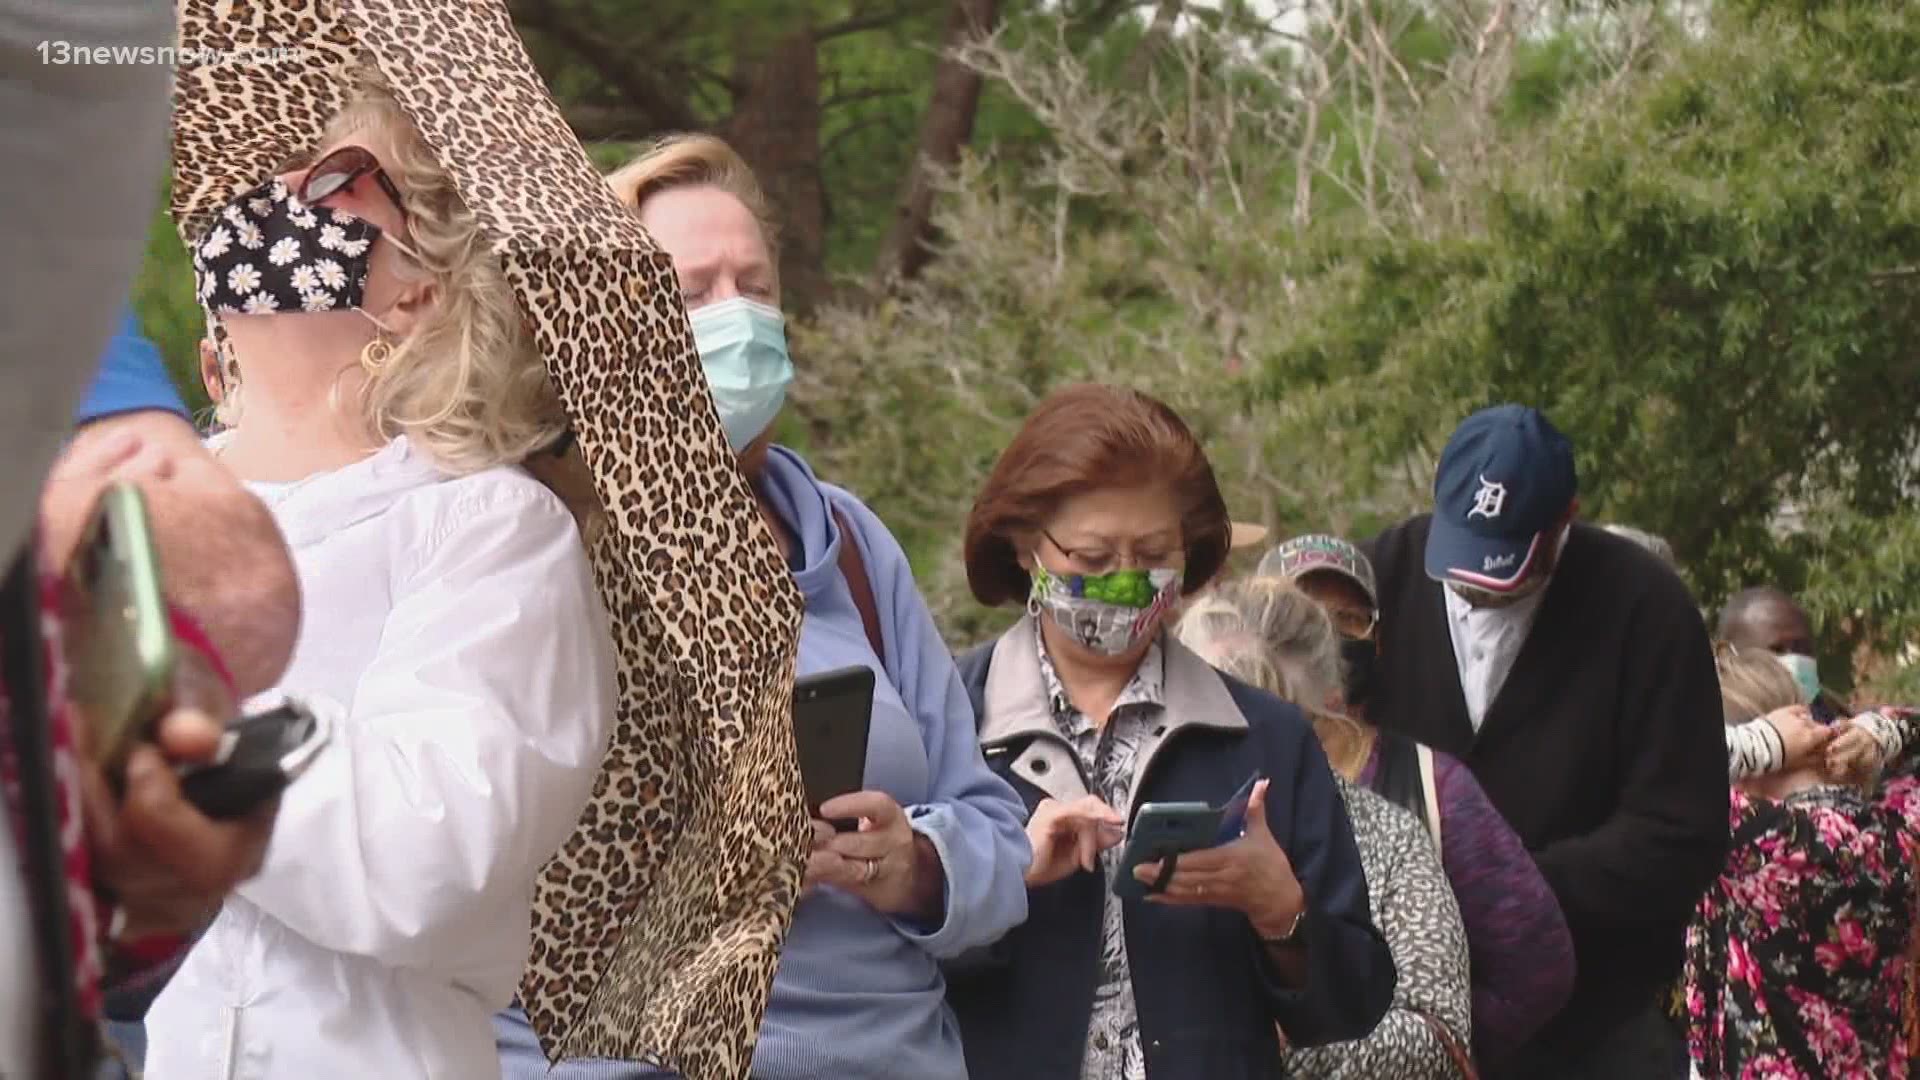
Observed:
{"x":83,"y":907}
{"x":1795,"y":957}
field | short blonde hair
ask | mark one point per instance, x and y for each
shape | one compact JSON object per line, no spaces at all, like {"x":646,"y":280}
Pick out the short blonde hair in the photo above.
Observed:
{"x":1753,"y":683}
{"x":468,"y":385}
{"x":1267,"y":632}
{"x":688,"y":161}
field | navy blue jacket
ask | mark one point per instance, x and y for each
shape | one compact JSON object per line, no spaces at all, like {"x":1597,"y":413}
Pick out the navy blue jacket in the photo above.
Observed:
{"x":1206,"y":995}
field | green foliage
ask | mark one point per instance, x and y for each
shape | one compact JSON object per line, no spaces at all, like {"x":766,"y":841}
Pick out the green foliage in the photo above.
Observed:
{"x":169,"y":315}
{"x":1697,"y":247}
{"x":1700,"y":257}
{"x":1711,"y":285}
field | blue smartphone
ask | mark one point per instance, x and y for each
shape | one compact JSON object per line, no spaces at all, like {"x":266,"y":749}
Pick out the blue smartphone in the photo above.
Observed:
{"x":1233,"y":813}
{"x":1160,"y":830}
{"x":1163,"y":829}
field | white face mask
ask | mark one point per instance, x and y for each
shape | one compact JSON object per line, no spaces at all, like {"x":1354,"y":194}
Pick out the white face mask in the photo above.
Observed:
{"x":1806,"y":674}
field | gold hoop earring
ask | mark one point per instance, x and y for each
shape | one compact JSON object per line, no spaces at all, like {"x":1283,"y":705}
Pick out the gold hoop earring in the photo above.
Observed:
{"x":375,"y":356}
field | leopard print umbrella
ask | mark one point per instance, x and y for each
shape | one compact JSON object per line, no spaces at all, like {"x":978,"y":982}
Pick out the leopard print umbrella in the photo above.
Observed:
{"x":658,"y":925}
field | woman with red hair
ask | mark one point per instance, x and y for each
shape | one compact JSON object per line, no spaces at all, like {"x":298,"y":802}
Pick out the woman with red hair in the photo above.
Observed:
{"x":1098,"y":517}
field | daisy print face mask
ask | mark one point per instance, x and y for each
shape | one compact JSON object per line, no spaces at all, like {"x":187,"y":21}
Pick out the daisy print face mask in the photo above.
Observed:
{"x":267,"y":252}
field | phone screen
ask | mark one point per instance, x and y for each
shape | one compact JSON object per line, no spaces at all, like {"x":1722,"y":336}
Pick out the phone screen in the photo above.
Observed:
{"x":119,"y":639}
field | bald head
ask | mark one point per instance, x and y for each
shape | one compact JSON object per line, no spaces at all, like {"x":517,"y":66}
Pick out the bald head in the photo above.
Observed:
{"x":1767,"y":618}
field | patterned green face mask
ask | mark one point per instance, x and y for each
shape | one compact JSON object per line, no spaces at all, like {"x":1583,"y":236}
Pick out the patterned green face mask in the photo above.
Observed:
{"x":1107,"y":613}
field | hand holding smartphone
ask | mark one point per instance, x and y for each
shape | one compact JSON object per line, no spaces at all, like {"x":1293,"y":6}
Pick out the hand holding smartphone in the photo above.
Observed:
{"x":1164,"y":831}
{"x":832,"y":712}
{"x":127,"y":671}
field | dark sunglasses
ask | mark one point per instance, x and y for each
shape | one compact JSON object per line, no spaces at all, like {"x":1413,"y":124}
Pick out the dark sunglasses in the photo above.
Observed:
{"x":339,"y":171}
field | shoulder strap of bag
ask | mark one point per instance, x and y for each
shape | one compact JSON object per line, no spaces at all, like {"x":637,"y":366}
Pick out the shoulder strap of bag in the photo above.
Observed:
{"x":1430,"y":788}
{"x":1462,"y":1060}
{"x":854,"y":569}
{"x":67,"y":1033}
{"x":1396,"y":777}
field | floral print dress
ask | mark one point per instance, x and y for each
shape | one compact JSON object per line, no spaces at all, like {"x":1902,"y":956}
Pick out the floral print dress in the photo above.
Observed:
{"x":1108,"y":756}
{"x":1794,"y":965}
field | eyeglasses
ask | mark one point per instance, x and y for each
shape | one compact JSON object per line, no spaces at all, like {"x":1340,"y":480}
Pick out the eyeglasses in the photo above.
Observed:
{"x":339,"y":171}
{"x":1353,"y":623}
{"x":1094,"y":562}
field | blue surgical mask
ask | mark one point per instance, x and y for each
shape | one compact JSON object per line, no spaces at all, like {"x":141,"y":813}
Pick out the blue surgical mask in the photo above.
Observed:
{"x":743,"y":347}
{"x":1806,"y":674}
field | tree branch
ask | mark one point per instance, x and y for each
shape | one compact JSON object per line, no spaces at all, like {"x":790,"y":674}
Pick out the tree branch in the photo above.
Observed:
{"x":862,"y":21}
{"x":1139,"y":62}
{"x":608,"y":123}
{"x":854,"y":97}
{"x":631,"y":81}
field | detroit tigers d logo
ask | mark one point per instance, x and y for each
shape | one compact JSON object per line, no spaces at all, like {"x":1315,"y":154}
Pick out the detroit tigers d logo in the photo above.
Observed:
{"x":1489,"y":501}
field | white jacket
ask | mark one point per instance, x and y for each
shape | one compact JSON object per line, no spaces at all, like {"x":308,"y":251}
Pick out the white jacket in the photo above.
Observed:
{"x":452,"y":633}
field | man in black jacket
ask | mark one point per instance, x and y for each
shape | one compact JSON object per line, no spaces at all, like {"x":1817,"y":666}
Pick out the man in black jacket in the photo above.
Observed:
{"x":1570,"y":670}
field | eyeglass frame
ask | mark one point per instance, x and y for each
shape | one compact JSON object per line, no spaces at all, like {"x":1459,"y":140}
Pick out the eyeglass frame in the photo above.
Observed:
{"x":1074,"y":555}
{"x":352,"y":176}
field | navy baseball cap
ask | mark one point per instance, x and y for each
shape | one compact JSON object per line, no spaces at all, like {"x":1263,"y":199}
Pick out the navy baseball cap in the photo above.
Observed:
{"x":1505,"y":478}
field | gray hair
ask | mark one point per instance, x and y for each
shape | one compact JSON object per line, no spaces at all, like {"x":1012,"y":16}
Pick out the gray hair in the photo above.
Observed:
{"x":1265,"y":631}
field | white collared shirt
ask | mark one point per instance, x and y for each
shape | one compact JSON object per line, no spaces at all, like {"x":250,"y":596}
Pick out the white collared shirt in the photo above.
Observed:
{"x":1485,"y":643}
{"x":451,"y":631}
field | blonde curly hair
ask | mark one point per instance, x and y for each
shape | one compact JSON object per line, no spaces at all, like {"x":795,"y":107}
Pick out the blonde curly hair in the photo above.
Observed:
{"x":468,"y":386}
{"x":1265,"y":631}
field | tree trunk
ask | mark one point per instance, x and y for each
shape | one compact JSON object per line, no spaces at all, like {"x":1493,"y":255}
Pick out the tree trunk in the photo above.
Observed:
{"x":1139,"y":64}
{"x":945,"y":130}
{"x":776,"y":127}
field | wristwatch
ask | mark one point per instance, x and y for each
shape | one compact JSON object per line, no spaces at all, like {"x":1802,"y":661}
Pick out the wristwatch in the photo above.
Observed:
{"x":1293,"y":929}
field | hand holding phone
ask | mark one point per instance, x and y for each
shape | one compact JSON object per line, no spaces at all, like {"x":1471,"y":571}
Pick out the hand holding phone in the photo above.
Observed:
{"x":1162,"y":832}
{"x":1252,"y":875}
{"x":258,"y":757}
{"x":832,"y":714}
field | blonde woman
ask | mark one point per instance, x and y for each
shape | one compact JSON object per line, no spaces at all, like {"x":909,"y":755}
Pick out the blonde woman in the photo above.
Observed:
{"x":1425,"y":1034}
{"x":936,"y":866}
{"x":386,"y":385}
{"x":1793,"y":956}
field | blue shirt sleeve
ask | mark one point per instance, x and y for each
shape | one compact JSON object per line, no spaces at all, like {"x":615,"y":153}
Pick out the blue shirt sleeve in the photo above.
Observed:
{"x":132,"y":378}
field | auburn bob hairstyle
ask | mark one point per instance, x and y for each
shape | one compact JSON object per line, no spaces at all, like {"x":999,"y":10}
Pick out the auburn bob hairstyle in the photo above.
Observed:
{"x":1083,"y":438}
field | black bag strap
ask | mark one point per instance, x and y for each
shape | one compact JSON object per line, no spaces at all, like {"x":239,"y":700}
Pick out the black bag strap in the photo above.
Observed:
{"x":1397,"y":778}
{"x":69,"y":1043}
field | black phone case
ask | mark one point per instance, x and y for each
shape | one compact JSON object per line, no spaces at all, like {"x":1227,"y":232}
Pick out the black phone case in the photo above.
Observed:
{"x":832,"y":718}
{"x":253,"y":772}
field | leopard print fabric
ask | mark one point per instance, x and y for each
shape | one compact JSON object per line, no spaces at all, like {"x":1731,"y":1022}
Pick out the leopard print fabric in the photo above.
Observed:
{"x":659,"y":923}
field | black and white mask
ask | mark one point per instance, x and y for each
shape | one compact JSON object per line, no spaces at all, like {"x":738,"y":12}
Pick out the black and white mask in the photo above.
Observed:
{"x":267,"y":252}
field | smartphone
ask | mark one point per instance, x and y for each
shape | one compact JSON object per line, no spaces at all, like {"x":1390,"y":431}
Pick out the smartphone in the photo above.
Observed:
{"x":258,"y":757}
{"x":119,"y":639}
{"x":1163,"y":829}
{"x":1233,"y":813}
{"x":832,"y":712}
{"x":1160,"y":830}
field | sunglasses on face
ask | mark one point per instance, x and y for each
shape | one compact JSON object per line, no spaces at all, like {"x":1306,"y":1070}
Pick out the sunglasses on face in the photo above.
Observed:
{"x":339,"y":171}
